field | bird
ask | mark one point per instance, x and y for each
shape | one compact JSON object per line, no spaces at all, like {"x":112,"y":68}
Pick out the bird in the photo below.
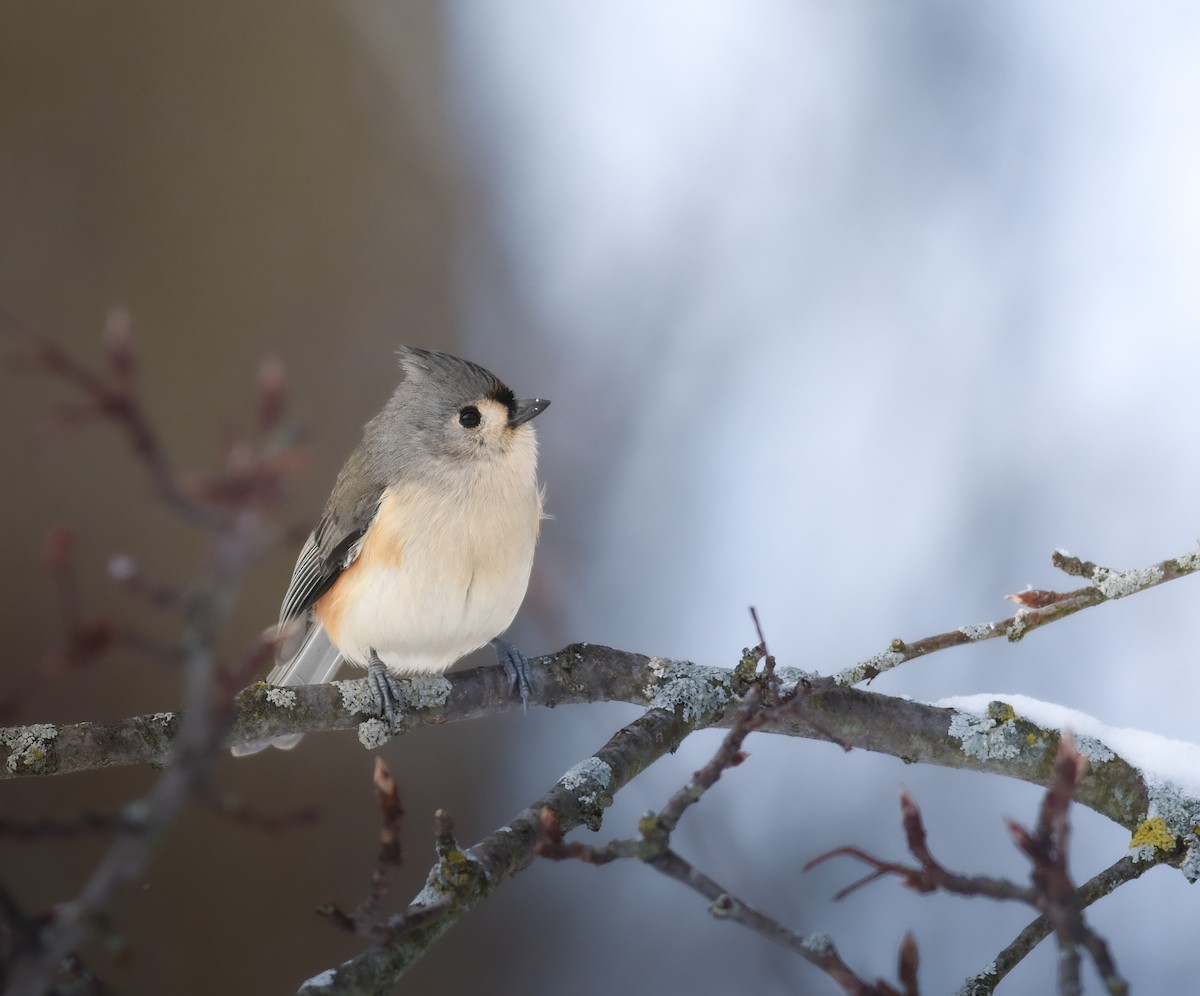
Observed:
{"x":424,"y":549}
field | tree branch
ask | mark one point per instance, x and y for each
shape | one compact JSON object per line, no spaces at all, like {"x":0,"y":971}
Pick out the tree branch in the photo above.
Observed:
{"x":580,"y":673}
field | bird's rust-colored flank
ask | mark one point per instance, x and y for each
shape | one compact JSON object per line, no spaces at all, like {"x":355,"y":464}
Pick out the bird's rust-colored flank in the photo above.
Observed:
{"x":382,"y":547}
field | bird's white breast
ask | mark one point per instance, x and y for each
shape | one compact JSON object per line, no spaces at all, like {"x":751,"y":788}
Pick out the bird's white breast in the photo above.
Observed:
{"x":444,"y":566}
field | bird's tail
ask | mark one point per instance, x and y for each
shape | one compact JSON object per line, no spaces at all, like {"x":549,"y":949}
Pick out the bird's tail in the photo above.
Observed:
{"x":314,"y":662}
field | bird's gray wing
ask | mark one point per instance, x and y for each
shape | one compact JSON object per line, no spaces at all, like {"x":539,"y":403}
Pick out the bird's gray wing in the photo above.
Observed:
{"x":334,"y":544}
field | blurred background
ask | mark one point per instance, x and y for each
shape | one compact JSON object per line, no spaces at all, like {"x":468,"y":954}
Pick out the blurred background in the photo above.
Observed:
{"x":850,"y":312}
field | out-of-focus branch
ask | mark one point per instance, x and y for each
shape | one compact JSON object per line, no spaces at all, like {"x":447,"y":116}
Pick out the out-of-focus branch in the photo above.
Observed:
{"x":251,"y":477}
{"x":112,"y":395}
{"x":145,"y":821}
{"x":229,"y":506}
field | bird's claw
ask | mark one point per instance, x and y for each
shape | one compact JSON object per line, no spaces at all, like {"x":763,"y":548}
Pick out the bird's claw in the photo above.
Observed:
{"x":385,"y":690}
{"x":516,"y":668}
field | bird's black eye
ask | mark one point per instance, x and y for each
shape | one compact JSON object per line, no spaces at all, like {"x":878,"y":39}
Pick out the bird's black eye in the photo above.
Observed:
{"x":469,"y":417}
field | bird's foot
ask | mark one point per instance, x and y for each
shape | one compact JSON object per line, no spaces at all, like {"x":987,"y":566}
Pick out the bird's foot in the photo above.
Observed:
{"x":516,"y":667}
{"x":385,"y":689}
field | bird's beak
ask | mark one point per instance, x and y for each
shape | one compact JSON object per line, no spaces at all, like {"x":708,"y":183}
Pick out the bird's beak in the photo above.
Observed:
{"x":527,"y":409}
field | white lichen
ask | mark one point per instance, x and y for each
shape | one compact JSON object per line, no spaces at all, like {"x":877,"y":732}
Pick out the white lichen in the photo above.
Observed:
{"x":356,"y":696}
{"x":163,"y":719}
{"x":426,"y":691}
{"x":284,"y":698}
{"x":1020,"y":624}
{"x":985,"y":737}
{"x":321,"y":980}
{"x":790,"y":678}
{"x":989,"y":727}
{"x":1118,"y":584}
{"x":374,"y":733}
{"x":28,"y":745}
{"x":1096,"y":751}
{"x":876,"y":664}
{"x":1191,"y":861}
{"x":818,"y":945}
{"x":1189,"y":561}
{"x":422,"y":691}
{"x":977,"y":631}
{"x":589,"y":780}
{"x":659,"y":666}
{"x":689,"y":690}
{"x":984,"y":982}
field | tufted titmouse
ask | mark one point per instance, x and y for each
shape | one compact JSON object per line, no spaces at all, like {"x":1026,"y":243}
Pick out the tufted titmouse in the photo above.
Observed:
{"x":425,"y":546}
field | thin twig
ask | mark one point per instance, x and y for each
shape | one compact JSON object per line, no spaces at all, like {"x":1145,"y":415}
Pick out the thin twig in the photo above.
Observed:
{"x":1106,"y":586}
{"x":362,"y":920}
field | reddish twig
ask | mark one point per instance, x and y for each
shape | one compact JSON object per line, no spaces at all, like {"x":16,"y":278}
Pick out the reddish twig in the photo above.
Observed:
{"x":927,"y":875}
{"x":363,"y":919}
{"x":86,"y":639}
{"x":816,"y":949}
{"x":238,"y":812}
{"x":75,"y":825}
{"x":768,"y":658}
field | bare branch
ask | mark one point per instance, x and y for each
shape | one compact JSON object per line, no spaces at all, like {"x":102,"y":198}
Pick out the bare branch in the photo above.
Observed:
{"x":1044,"y":608}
